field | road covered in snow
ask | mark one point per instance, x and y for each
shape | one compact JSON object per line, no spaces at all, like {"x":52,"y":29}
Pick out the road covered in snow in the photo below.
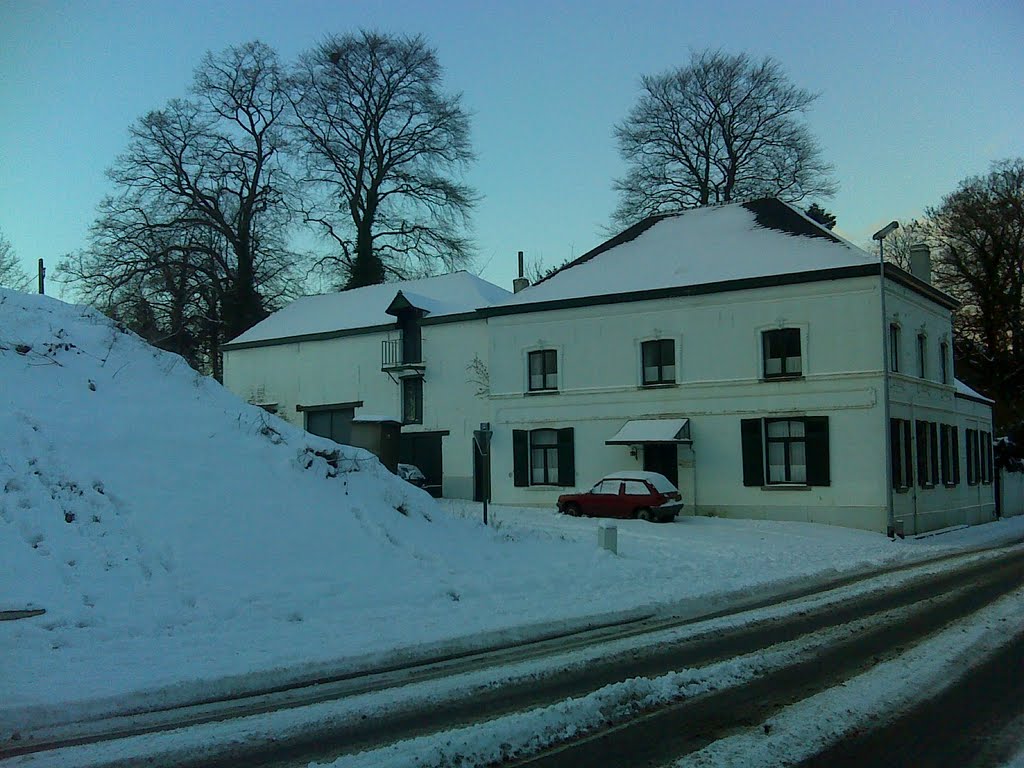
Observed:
{"x":189,"y":550}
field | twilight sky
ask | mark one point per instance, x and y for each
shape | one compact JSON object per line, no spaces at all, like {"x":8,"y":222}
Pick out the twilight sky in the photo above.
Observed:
{"x":915,"y":96}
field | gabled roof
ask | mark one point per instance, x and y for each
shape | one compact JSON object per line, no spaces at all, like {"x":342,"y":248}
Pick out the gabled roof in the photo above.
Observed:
{"x":758,"y":239}
{"x":335,"y":313}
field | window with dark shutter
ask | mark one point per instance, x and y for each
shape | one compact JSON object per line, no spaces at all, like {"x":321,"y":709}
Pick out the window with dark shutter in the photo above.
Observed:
{"x":946,"y":451}
{"x":922,"y":356}
{"x":520,"y":458}
{"x":944,"y":361}
{"x":895,"y":453}
{"x":544,"y":457}
{"x":659,"y":362}
{"x":781,"y":350}
{"x":753,"y":455}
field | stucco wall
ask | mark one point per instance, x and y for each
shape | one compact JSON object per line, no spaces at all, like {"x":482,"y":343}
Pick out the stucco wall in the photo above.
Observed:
{"x":348,"y":369}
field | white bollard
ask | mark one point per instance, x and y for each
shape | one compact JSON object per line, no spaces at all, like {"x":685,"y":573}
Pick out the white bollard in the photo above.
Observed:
{"x":608,"y":537}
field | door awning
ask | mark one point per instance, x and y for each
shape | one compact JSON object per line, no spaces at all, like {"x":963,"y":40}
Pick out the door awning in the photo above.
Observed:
{"x":641,"y":431}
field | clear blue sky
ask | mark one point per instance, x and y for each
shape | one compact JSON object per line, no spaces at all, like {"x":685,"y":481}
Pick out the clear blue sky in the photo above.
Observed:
{"x":915,"y":96}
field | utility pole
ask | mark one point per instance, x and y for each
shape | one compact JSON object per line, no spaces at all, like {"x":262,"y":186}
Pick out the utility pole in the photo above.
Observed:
{"x":42,"y":277}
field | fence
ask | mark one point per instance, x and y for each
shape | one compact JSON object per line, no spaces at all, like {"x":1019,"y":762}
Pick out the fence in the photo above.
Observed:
{"x":1011,"y":493}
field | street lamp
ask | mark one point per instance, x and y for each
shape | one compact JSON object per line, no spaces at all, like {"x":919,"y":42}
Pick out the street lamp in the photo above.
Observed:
{"x":880,"y":235}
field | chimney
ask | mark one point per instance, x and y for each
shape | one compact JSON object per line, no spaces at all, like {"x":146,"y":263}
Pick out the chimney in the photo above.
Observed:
{"x":921,"y":262}
{"x":520,"y":282}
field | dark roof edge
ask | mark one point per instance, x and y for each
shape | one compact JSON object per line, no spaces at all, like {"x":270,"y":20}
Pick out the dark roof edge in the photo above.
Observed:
{"x":918,"y":285}
{"x":741,"y":284}
{"x":322,"y":336}
{"x":327,"y":335}
{"x":983,"y":400}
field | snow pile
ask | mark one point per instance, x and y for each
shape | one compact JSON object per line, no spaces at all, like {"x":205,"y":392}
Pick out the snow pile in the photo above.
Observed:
{"x":172,"y":532}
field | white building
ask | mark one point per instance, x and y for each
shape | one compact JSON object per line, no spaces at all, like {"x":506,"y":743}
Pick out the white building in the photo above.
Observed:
{"x":736,"y":349}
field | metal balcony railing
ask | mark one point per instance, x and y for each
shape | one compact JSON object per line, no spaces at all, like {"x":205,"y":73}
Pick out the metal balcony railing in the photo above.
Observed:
{"x":393,"y":356}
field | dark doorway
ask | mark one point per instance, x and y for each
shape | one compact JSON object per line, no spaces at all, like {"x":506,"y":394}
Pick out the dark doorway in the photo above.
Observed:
{"x":663,"y":459}
{"x":423,"y":450}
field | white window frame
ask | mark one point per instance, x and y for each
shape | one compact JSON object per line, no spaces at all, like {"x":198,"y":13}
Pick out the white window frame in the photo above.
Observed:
{"x":805,"y":333}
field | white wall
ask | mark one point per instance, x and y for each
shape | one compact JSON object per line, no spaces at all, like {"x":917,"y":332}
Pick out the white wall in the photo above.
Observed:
{"x":718,"y":342}
{"x":348,"y":369}
{"x":929,"y":399}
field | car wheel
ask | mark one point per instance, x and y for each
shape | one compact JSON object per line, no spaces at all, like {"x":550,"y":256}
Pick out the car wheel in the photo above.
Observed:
{"x":644,"y":514}
{"x":572,"y":510}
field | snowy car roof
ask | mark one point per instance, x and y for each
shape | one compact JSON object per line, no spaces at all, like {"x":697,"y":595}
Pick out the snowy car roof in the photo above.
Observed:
{"x":451,"y":294}
{"x":761,"y":238}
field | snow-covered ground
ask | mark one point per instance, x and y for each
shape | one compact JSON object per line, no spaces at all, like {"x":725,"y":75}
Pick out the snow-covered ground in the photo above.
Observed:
{"x":184,"y":543}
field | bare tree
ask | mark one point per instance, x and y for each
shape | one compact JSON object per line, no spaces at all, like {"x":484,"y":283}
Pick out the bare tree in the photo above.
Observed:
{"x":723,"y":128}
{"x":11,"y":273}
{"x":979,"y":234}
{"x":191,"y":250}
{"x":214,"y":161}
{"x":897,"y":244}
{"x":384,"y":144}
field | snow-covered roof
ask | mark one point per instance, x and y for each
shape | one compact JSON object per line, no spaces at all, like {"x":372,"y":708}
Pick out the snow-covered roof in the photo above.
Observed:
{"x":449,"y":294}
{"x":761,"y":238}
{"x":963,"y":389}
{"x":652,"y":431}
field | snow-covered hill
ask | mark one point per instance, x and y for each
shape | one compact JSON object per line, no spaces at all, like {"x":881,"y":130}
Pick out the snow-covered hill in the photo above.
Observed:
{"x":173,"y":532}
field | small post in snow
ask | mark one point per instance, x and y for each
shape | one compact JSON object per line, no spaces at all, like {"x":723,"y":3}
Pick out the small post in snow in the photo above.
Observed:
{"x":482,"y":441}
{"x":608,"y":537}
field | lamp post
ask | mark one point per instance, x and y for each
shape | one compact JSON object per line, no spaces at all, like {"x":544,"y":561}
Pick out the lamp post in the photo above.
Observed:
{"x":880,"y":236}
{"x":482,"y":441}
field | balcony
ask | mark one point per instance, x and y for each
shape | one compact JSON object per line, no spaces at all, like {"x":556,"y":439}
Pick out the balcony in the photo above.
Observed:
{"x":398,"y":356}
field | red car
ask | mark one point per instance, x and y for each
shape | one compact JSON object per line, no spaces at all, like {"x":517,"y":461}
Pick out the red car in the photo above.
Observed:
{"x":642,"y":495}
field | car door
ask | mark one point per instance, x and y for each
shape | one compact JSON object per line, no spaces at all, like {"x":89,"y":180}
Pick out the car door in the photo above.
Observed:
{"x":603,"y":498}
{"x":636,"y":495}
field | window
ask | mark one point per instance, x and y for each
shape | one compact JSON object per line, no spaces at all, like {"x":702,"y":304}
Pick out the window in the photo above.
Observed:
{"x":785,"y":451}
{"x":901,"y":454}
{"x":922,"y":356}
{"x":944,"y":361}
{"x":949,"y":447}
{"x":659,"y":361}
{"x":927,"y":454}
{"x":894,"y":348}
{"x":543,"y":370}
{"x":412,"y":401}
{"x":607,"y":488}
{"x":781,"y":353}
{"x":636,"y":488}
{"x":543,"y":457}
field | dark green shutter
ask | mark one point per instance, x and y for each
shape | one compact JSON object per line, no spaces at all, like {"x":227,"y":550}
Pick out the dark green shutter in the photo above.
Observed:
{"x":753,"y":452}
{"x":520,"y":458}
{"x":908,"y":458}
{"x":816,"y":431}
{"x":956,"y":455}
{"x":944,"y":449}
{"x":566,"y":457}
{"x":933,"y":436}
{"x":969,"y":442}
{"x":894,"y":451}
{"x":921,"y":433}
